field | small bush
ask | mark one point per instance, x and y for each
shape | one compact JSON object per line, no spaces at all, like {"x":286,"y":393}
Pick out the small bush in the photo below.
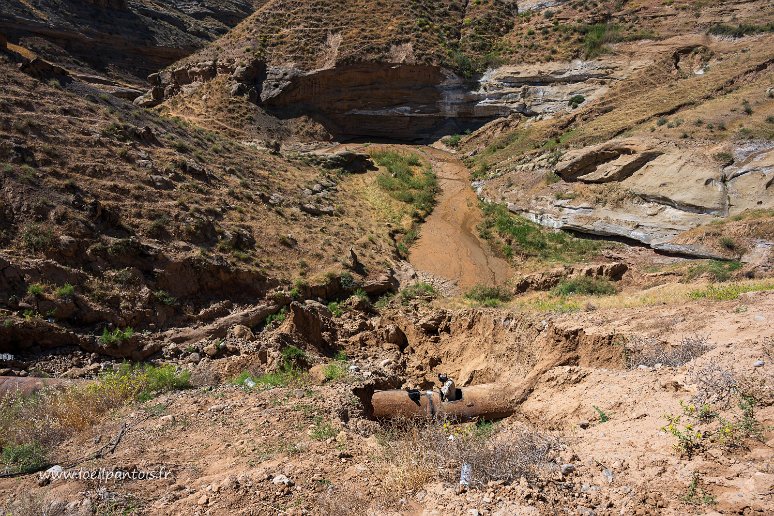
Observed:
{"x":35,"y":289}
{"x":597,"y":37}
{"x":337,"y":369}
{"x":37,"y":238}
{"x":696,"y":495}
{"x":453,"y":141}
{"x":117,"y":336}
{"x":279,"y":317}
{"x":576,"y":100}
{"x":66,"y":291}
{"x":24,"y":458}
{"x":165,"y":298}
{"x":423,"y":291}
{"x":335,"y":309}
{"x":489,"y":296}
{"x":585,"y":286}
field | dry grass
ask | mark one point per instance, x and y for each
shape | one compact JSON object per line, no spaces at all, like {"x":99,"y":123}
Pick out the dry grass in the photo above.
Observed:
{"x":419,"y":451}
{"x":43,"y":420}
{"x":650,"y":352}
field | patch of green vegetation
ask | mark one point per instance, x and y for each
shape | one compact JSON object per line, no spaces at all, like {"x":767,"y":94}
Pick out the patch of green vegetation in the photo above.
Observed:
{"x":24,"y":458}
{"x":66,"y":291}
{"x":279,"y":317}
{"x":585,"y":286}
{"x":335,"y":370}
{"x":453,"y":141}
{"x":322,"y":430}
{"x":576,"y":100}
{"x":143,"y":382}
{"x":715,"y":269}
{"x":517,"y":236}
{"x":596,"y":37}
{"x":406,"y":180}
{"x":603,"y":417}
{"x":695,"y":495}
{"x":36,"y":289}
{"x":738,"y":31}
{"x":117,"y":336}
{"x":489,"y":296}
{"x":423,"y":291}
{"x":165,"y":298}
{"x":289,"y":372}
{"x":730,"y":291}
{"x":37,"y":238}
{"x":335,"y":309}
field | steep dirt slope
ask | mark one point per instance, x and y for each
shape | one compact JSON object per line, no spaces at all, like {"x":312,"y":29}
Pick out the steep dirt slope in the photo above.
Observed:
{"x":151,"y":219}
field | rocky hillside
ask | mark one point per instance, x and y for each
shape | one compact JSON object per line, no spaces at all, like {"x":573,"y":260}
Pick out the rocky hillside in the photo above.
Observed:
{"x":123,"y":40}
{"x":246,"y":273}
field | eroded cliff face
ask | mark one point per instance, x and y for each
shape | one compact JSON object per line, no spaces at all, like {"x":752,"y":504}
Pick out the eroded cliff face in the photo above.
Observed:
{"x":394,"y":101}
{"x":401,"y":102}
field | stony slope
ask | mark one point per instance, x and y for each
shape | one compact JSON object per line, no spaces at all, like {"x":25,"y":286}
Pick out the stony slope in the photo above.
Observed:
{"x":134,"y":37}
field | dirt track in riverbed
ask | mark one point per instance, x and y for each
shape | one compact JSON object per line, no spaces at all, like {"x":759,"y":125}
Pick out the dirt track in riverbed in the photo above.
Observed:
{"x":449,"y":246}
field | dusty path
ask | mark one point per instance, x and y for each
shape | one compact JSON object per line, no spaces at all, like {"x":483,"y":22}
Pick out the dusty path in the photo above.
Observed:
{"x":448,"y":245}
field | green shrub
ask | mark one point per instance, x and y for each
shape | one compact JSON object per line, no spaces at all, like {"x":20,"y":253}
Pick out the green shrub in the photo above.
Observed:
{"x":37,"y":238}
{"x":335,"y":309}
{"x":66,"y":291}
{"x":596,"y":38}
{"x":293,"y":357}
{"x":585,"y":286}
{"x":576,"y":100}
{"x":420,"y":290}
{"x":165,"y":298}
{"x":335,"y":370}
{"x":117,"y":336}
{"x":489,"y":296}
{"x":347,"y":281}
{"x":453,"y":141}
{"x":603,"y":417}
{"x":35,"y":289}
{"x":24,"y":458}
{"x":279,"y":317}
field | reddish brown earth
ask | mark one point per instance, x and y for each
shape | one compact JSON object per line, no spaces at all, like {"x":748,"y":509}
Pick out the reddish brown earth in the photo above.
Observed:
{"x":449,"y":246}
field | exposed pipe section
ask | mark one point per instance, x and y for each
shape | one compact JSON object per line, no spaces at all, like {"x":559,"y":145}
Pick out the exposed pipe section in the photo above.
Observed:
{"x":487,"y":401}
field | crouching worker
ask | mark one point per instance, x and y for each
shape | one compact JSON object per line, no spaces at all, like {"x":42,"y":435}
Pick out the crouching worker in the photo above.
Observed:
{"x":448,"y":389}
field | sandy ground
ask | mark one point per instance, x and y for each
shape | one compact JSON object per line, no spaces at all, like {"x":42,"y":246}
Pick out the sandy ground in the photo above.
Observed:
{"x":449,"y":246}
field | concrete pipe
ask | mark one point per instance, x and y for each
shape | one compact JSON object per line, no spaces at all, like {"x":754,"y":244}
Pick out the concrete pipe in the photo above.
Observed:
{"x":487,"y":401}
{"x":30,"y":385}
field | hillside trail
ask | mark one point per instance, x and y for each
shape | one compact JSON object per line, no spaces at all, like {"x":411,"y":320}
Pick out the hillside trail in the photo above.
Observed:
{"x":449,"y":247}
